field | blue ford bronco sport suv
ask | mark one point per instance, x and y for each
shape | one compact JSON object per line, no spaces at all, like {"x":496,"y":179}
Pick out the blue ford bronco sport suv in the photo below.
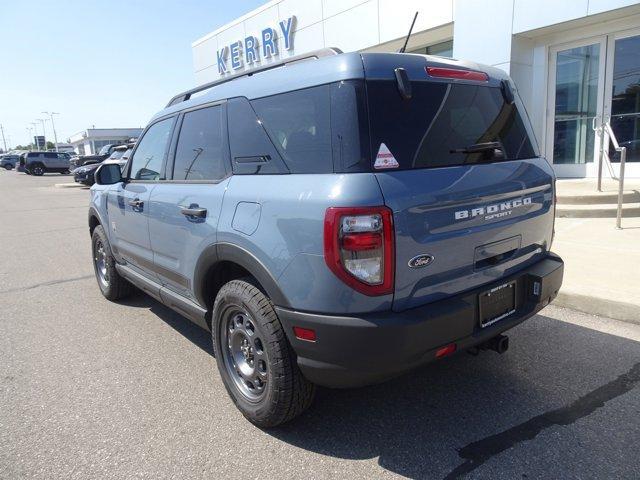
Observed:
{"x":335,"y":220}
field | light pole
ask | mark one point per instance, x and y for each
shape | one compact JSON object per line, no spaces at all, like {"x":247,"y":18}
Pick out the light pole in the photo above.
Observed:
{"x":3,"y":140}
{"x":53,"y":125}
{"x":36,"y":143}
{"x":44,"y":130}
{"x":29,"y":137}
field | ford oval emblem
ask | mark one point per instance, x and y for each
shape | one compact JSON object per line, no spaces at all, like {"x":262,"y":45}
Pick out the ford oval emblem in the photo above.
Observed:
{"x":420,"y":261}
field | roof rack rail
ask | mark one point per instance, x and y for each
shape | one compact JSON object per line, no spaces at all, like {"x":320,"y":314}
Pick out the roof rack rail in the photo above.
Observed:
{"x":324,"y":52}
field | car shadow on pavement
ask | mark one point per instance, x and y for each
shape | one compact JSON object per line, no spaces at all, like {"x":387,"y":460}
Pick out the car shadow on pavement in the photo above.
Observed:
{"x":450,"y":417}
{"x":192,"y":332}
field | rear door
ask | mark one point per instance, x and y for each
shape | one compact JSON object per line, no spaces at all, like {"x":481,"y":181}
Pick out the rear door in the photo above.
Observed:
{"x":128,"y":202}
{"x":457,"y":164}
{"x":50,"y":160}
{"x":184,"y":211}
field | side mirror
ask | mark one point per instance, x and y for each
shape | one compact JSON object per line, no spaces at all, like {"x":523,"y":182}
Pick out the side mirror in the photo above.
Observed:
{"x":108,"y":174}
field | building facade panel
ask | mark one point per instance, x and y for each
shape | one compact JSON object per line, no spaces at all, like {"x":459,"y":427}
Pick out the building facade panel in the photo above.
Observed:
{"x":339,"y":29}
{"x":307,"y":13}
{"x":481,"y":34}
{"x":529,"y":15}
{"x":395,"y":17}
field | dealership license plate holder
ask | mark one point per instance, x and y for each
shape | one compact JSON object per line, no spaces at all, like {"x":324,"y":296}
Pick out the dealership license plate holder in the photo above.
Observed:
{"x":497,"y":304}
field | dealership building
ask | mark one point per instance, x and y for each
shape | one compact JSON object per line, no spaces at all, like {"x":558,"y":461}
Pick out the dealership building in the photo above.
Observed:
{"x":576,"y":63}
{"x":91,"y":140}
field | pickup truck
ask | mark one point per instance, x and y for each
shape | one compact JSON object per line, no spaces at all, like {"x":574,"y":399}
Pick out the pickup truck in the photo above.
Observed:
{"x":82,"y":160}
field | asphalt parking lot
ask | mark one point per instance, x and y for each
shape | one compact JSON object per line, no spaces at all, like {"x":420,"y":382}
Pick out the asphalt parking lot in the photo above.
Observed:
{"x":92,"y":389}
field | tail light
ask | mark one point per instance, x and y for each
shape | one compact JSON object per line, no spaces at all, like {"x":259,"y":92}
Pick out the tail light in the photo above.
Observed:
{"x":457,"y":74}
{"x":359,"y":247}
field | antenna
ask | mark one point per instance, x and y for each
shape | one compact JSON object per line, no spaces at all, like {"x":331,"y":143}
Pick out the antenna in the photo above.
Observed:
{"x":404,"y":47}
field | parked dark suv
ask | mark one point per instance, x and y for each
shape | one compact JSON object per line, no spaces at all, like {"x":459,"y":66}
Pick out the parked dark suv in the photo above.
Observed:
{"x":9,"y":161}
{"x":39,"y":163}
{"x":335,"y":220}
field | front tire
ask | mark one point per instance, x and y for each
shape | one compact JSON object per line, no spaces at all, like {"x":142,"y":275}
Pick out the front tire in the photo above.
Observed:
{"x":256,"y":362}
{"x":37,"y":170}
{"x":111,"y":284}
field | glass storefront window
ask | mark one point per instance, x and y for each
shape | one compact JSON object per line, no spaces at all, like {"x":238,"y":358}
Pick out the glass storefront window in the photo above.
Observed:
{"x":442,"y":49}
{"x":576,"y":104}
{"x":625,"y":101}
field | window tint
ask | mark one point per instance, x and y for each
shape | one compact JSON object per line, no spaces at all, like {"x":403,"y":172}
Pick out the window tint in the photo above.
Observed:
{"x":350,"y":127}
{"x":251,"y":149}
{"x":148,"y":161}
{"x":50,"y":155}
{"x":299,"y":125}
{"x":200,"y":152}
{"x":441,"y":119}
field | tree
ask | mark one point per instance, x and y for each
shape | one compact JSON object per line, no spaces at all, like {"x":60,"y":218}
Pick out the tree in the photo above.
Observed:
{"x":50,"y":146}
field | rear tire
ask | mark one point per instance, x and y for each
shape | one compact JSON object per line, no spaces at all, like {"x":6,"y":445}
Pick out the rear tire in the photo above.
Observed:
{"x":8,"y":167}
{"x":111,"y":284}
{"x":256,"y":362}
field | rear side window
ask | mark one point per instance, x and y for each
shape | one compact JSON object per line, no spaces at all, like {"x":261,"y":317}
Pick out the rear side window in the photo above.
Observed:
{"x":441,"y":120}
{"x":252,"y":152}
{"x":148,"y":160}
{"x":50,"y":155}
{"x":299,"y":124}
{"x":200,"y":152}
{"x":320,"y":129}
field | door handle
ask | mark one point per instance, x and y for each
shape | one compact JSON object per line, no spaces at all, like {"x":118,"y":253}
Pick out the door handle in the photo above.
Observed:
{"x":136,"y":204}
{"x":194,"y":211}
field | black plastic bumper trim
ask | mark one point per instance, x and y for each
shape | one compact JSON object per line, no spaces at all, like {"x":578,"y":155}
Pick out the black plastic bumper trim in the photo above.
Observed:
{"x":353,"y":351}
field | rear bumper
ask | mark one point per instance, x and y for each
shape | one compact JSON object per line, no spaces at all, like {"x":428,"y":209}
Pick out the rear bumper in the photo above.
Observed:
{"x":352,"y":351}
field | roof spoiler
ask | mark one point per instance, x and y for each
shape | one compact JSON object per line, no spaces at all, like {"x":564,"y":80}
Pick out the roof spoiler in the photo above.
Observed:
{"x":324,"y":52}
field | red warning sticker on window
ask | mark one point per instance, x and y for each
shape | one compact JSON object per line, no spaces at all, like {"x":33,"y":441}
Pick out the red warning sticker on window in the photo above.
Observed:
{"x":385,"y":159}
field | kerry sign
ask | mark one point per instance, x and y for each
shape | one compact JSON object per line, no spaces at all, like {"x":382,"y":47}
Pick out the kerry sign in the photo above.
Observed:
{"x":253,"y":50}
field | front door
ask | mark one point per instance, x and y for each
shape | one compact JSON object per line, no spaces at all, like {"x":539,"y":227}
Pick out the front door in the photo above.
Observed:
{"x":128,"y":206}
{"x":128,"y":202}
{"x":184,"y":212}
{"x":575,"y":104}
{"x":622,"y":99}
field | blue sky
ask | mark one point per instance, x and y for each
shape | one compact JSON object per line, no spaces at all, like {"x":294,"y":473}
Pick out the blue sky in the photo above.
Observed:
{"x":110,"y":63}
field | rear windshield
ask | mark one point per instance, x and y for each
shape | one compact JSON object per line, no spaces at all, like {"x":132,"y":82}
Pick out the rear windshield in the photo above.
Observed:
{"x":441,"y":122}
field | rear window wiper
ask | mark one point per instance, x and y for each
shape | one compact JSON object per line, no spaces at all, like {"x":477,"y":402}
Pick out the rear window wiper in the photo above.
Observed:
{"x":478,"y":147}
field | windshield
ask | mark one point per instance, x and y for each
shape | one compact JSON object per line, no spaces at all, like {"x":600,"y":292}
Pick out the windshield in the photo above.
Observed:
{"x":117,"y":154}
{"x":446,"y":124}
{"x":104,"y":150}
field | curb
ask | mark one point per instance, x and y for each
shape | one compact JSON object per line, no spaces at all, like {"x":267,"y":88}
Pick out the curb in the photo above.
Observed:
{"x":596,"y":211}
{"x":627,"y":312}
